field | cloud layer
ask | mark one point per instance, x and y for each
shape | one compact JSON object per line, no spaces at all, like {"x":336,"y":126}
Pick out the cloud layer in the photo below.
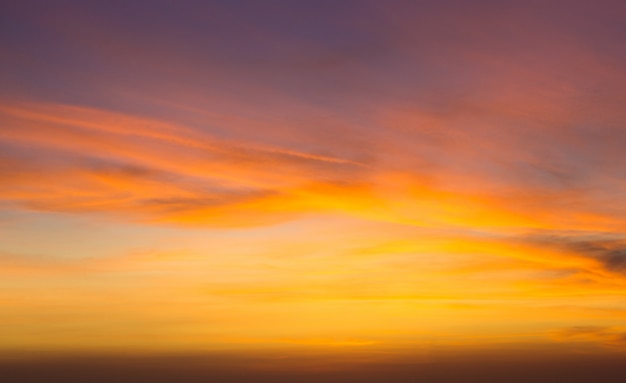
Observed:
{"x":346,"y":173}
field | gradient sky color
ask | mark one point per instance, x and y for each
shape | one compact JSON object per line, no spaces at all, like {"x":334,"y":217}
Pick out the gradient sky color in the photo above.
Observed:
{"x":364,"y":180}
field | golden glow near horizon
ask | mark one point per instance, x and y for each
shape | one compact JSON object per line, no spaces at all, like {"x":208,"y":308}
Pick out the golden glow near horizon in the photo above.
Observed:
{"x":190,"y":200}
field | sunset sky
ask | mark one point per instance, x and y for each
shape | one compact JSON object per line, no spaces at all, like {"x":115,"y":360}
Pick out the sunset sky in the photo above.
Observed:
{"x":307,"y":181}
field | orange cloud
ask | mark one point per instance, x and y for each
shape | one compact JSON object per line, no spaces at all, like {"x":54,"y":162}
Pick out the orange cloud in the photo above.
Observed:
{"x":166,"y":173}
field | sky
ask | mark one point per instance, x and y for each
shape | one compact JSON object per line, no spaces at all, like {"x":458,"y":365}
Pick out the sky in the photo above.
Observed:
{"x":305,"y":185}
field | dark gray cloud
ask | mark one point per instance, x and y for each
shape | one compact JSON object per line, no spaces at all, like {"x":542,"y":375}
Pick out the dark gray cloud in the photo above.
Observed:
{"x":608,"y":248}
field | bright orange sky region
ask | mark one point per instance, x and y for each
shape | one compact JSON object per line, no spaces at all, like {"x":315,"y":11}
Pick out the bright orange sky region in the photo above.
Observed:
{"x":355,"y":180}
